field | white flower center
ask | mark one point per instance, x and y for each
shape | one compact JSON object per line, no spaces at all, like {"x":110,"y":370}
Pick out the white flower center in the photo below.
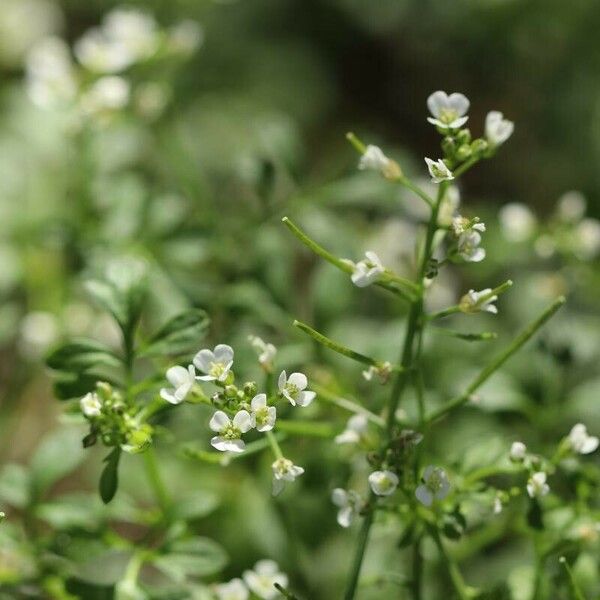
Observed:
{"x":216,"y":369}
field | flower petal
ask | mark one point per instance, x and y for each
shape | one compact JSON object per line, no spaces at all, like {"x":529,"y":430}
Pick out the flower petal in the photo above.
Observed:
{"x":437,"y":102}
{"x":299,"y":380}
{"x":282,"y":380}
{"x":223,"y":354}
{"x":423,"y":495}
{"x":243,"y":421}
{"x":219,"y":420}
{"x":203,"y":360}
{"x":259,"y":401}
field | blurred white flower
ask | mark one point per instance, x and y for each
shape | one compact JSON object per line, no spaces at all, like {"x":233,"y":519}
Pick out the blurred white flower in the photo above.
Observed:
{"x":497,"y":128}
{"x":232,"y":590}
{"x":448,"y":110}
{"x":293,"y":388}
{"x":587,"y":236}
{"x":383,"y":483}
{"x":266,"y":352}
{"x":518,"y":451}
{"x":449,"y":206}
{"x":264,"y":416}
{"x":50,"y":79}
{"x":517,"y":221}
{"x":460,"y":225}
{"x":262,"y":579}
{"x":355,"y":428}
{"x":435,"y":486}
{"x":374,"y":159}
{"x":537,"y":486}
{"x":284,"y":471}
{"x":469,"y":247}
{"x":438,"y":170}
{"x":571,"y":206}
{"x":151,"y":98}
{"x":366,"y":271}
{"x":91,"y":405}
{"x":230,"y":432}
{"x":544,"y":246}
{"x":185,"y":37}
{"x":38,"y":331}
{"x":473,"y":302}
{"x":216,"y":364}
{"x":581,"y":442}
{"x":101,"y":55}
{"x":497,"y":507}
{"x":383,"y":372}
{"x":182,"y":380}
{"x":349,"y":503}
{"x":110,"y":93}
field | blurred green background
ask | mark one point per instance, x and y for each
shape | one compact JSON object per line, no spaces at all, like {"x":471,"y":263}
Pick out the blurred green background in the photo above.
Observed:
{"x":250,"y":127}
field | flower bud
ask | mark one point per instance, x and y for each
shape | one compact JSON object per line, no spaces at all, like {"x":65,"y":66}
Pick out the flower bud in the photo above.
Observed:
{"x":463,"y":136}
{"x":479,"y":146}
{"x":231,"y":391}
{"x":250,"y":389}
{"x":463,"y":152}
{"x":518,"y":451}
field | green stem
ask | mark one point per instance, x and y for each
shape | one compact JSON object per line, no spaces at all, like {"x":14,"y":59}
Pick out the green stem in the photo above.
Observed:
{"x":349,"y":405}
{"x":576,"y":593}
{"x":339,"y":348}
{"x":407,"y":183}
{"x":490,"y":369}
{"x":307,"y":428}
{"x":417,"y":570}
{"x":274,"y":445}
{"x":363,"y":538}
{"x":456,"y":577}
{"x":158,"y":486}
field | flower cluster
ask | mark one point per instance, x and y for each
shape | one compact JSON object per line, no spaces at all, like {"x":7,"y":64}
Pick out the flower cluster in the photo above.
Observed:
{"x":259,"y":581}
{"x":240,"y":409}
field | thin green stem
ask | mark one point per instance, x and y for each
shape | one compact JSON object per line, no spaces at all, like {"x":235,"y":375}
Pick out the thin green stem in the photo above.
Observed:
{"x":306,"y":428}
{"x":495,"y":364}
{"x":417,"y":570}
{"x":361,"y":547}
{"x":327,"y":396}
{"x":274,"y":445}
{"x":463,"y":591}
{"x":576,"y":593}
{"x":340,"y":349}
{"x":407,"y":183}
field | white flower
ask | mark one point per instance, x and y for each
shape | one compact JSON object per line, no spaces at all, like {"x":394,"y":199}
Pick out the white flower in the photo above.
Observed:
{"x":518,"y":451}
{"x":497,"y":128}
{"x":497,"y":508}
{"x":185,"y":37}
{"x":517,"y":221}
{"x":374,"y":159}
{"x":91,"y":405}
{"x":366,"y":271}
{"x":294,"y":389}
{"x":263,"y":415}
{"x":435,"y":486}
{"x":50,"y":79}
{"x":262,"y":579}
{"x":230,"y":432}
{"x":355,"y":428}
{"x":438,"y":170}
{"x":266,"y":352}
{"x":473,"y":302}
{"x":106,"y":94}
{"x":460,"y":225}
{"x":349,"y":503}
{"x":232,"y":590}
{"x":537,"y":486}
{"x":215,"y":363}
{"x":284,"y":470}
{"x":587,"y":236}
{"x":448,"y":206}
{"x":571,"y":206}
{"x":101,"y":55}
{"x":182,"y":380}
{"x":448,"y":111}
{"x":580,"y":441}
{"x":383,"y":483}
{"x":469,"y":248}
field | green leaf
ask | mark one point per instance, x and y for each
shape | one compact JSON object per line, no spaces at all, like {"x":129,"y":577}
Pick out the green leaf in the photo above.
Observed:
{"x":75,"y":385}
{"x":180,"y":334}
{"x":102,"y":569}
{"x":15,"y":486}
{"x":109,"y":480}
{"x":59,"y":453}
{"x":82,"y":355}
{"x":107,"y":296}
{"x":75,"y":511}
{"x":193,"y":557}
{"x":195,"y":505}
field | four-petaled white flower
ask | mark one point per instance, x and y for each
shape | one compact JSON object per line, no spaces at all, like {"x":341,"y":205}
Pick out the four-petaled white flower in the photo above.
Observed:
{"x":438,"y":170}
{"x":435,"y":486}
{"x":263,"y":415}
{"x":284,"y":471}
{"x":294,"y":389}
{"x":383,"y":483}
{"x":232,"y":590}
{"x":355,"y":428}
{"x":266,"y":351}
{"x":216,"y":363}
{"x":374,"y":159}
{"x":230,"y":432}
{"x":537,"y":486}
{"x":182,"y":380}
{"x":262,"y":579}
{"x":91,"y":405}
{"x":366,"y":271}
{"x":473,"y":302}
{"x":497,"y":128}
{"x":349,"y":503}
{"x":448,"y":111}
{"x":383,"y":370}
{"x":469,"y":248}
{"x":581,"y":442}
{"x":518,"y":451}
{"x":460,"y":225}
